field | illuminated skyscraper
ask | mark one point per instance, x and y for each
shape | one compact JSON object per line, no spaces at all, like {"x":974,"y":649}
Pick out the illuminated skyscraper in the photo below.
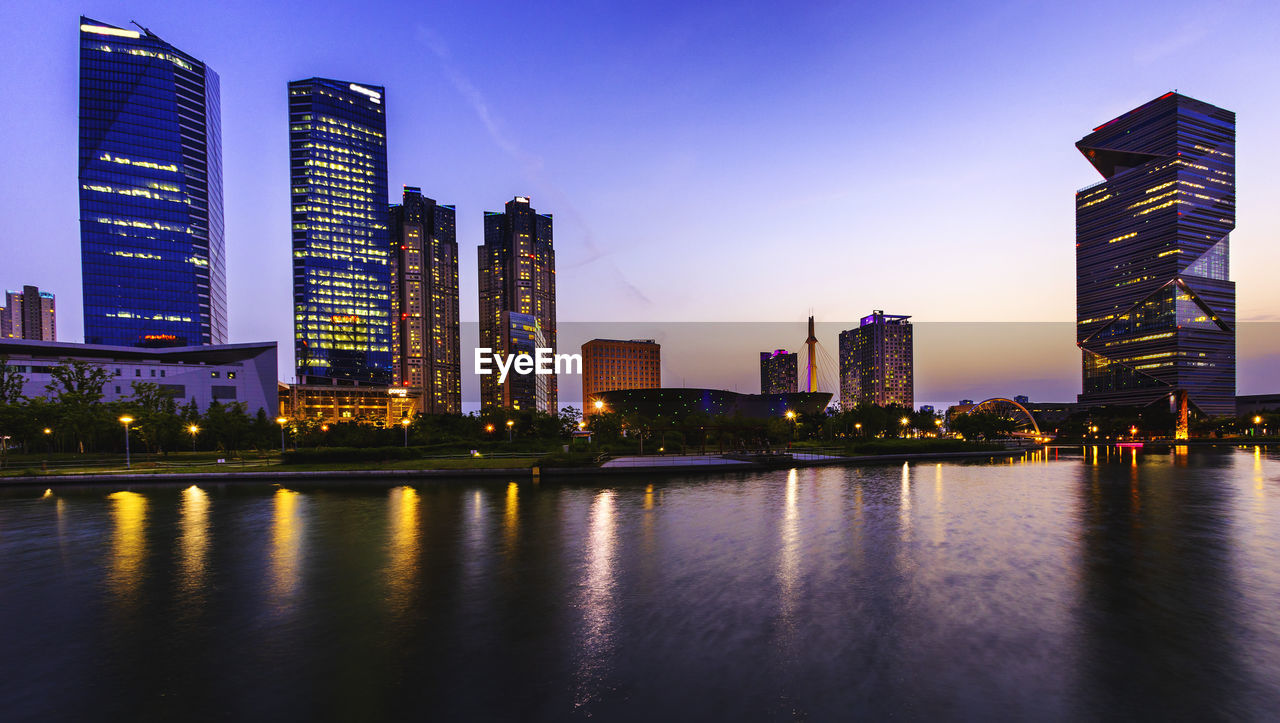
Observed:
{"x":341,"y":248}
{"x":877,"y":362}
{"x":517,"y":274}
{"x":151,"y":235}
{"x":424,"y":302}
{"x":1155,"y":311}
{"x":778,"y":372}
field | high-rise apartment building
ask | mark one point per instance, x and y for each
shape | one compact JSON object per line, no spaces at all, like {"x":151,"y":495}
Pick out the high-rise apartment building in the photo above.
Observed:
{"x":778,"y":371}
{"x":876,"y":362}
{"x":611,"y":364}
{"x":425,"y":353}
{"x":151,"y":234}
{"x":517,"y":274}
{"x":29,"y":314}
{"x":1155,"y":309}
{"x":341,"y":248}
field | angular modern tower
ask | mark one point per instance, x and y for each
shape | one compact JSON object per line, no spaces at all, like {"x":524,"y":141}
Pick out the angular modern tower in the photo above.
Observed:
{"x":151,"y":234}
{"x":1155,"y":311}
{"x":518,"y":275}
{"x":341,"y":248}
{"x":425,"y":342}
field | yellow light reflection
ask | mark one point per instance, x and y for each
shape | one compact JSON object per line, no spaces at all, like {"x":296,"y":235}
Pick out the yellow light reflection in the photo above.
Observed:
{"x":598,"y":600}
{"x":47,"y":494}
{"x":648,"y":497}
{"x":193,"y":543}
{"x":128,"y":545}
{"x":511,"y":520}
{"x":789,"y":559}
{"x":286,"y":548}
{"x":402,"y":565}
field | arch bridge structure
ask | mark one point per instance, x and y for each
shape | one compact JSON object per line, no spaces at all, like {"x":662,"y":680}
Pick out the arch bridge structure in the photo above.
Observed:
{"x":1027,"y":426}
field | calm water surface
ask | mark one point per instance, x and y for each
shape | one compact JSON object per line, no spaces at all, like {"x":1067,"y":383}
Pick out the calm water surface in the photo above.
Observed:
{"x":1047,"y":589}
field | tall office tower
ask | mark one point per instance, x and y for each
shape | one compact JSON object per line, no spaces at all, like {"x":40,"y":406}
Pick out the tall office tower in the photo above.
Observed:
{"x":517,"y":274}
{"x":341,"y":247}
{"x":151,"y":236}
{"x":29,"y":314}
{"x":425,"y":353}
{"x":611,"y":364}
{"x":778,"y":372}
{"x":876,"y":362}
{"x":1155,"y":311}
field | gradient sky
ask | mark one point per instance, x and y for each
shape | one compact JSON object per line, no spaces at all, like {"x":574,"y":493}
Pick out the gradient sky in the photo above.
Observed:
{"x":704,"y":161}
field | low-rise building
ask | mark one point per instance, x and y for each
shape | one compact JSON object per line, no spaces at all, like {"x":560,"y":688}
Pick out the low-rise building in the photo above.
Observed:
{"x":242,"y":374}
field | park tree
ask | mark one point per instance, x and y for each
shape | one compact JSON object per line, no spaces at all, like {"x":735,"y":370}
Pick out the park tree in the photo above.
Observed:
{"x":76,"y":388}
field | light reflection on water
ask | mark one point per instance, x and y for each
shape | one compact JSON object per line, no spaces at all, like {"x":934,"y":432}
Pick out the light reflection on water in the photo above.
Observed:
{"x":1110,"y":584}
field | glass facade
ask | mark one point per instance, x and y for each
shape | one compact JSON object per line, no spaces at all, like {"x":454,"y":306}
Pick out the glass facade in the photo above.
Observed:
{"x":341,"y":246}
{"x":1155,"y":310}
{"x":151,"y":230}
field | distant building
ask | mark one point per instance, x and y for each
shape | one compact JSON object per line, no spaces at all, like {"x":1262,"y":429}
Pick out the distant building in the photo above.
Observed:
{"x":677,"y":403}
{"x":876,"y":362}
{"x":22,"y":319}
{"x":242,"y":374}
{"x":152,"y":256}
{"x":927,"y":409}
{"x":1022,"y":399}
{"x":1155,"y":307}
{"x":334,"y":403}
{"x":778,"y":372}
{"x":609,"y":364}
{"x":517,"y":267}
{"x":341,"y":249}
{"x":425,"y":336}
{"x":1257,"y":403}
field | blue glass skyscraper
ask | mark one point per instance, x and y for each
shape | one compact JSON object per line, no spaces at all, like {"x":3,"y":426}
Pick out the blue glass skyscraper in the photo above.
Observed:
{"x":1155,"y":307}
{"x":341,"y":246}
{"x":151,"y":231}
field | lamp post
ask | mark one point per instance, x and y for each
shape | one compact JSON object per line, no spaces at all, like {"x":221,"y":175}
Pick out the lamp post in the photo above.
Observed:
{"x":282,"y":421}
{"x":405,"y":422}
{"x":1257,"y":419}
{"x":904,"y":422}
{"x":857,"y":429}
{"x":510,"y":423}
{"x":194,"y":430}
{"x":126,"y":420}
{"x":599,"y":404}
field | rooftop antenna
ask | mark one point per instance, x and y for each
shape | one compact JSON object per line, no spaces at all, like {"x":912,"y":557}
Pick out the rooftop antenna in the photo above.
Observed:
{"x":812,"y":342}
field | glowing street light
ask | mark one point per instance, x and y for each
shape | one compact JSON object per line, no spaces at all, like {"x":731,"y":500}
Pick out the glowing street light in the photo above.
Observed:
{"x":194,"y":430}
{"x":488,"y":428}
{"x":282,"y":421}
{"x":599,"y":404}
{"x":126,"y":420}
{"x":510,"y":423}
{"x":791,"y":414}
{"x":405,"y":422}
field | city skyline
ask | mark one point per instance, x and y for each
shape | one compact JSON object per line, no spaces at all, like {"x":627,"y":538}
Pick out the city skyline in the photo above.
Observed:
{"x":608,"y":287}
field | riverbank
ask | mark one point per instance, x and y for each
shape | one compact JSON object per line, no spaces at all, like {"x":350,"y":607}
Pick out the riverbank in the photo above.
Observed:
{"x":657,"y":465}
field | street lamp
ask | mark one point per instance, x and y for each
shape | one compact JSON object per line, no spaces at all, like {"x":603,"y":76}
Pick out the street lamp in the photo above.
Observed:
{"x":405,"y":422}
{"x":599,"y":404}
{"x":126,"y":420}
{"x":194,"y":430}
{"x":904,"y":422}
{"x":510,"y":423}
{"x":488,"y":428}
{"x":282,"y":421}
{"x":857,"y":428}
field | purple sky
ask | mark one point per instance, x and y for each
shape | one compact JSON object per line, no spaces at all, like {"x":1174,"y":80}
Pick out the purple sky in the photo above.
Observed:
{"x":704,"y":162}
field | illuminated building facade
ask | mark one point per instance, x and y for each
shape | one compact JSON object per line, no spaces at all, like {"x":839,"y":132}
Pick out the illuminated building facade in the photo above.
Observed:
{"x":1155,"y":310}
{"x":522,"y":334}
{"x":778,"y":371}
{"x":341,"y":247}
{"x":425,"y":340}
{"x":29,"y":314}
{"x":333,"y":403}
{"x":877,"y":362}
{"x":609,"y":364}
{"x":151,"y":232}
{"x":517,"y":267}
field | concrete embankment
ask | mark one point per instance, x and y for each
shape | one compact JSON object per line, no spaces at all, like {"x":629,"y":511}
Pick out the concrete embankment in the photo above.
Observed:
{"x":659,"y":466}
